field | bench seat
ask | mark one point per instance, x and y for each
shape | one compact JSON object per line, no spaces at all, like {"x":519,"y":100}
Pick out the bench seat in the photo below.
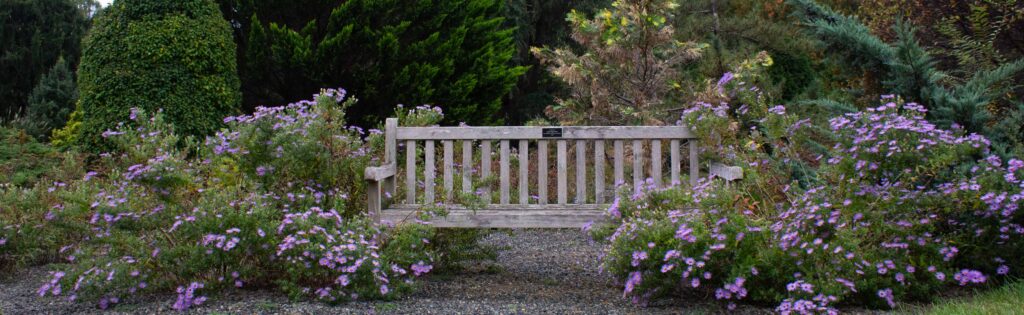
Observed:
{"x":506,"y":216}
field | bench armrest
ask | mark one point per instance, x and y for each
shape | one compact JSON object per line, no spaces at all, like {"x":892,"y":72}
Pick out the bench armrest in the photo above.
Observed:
{"x":379,"y":173}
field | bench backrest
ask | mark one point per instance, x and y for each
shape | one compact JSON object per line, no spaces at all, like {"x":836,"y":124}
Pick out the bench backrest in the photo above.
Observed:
{"x":589,"y":144}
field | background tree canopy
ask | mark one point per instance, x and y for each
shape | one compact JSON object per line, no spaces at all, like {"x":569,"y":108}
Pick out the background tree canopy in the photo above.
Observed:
{"x":453,"y":54}
{"x":34,"y":34}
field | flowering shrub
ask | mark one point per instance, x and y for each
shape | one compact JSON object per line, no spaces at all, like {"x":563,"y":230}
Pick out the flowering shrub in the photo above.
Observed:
{"x":272,"y":200}
{"x":897,"y":210}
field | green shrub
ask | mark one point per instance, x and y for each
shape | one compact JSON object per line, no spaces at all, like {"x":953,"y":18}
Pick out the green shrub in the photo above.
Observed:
{"x":24,"y":162}
{"x":177,"y":56}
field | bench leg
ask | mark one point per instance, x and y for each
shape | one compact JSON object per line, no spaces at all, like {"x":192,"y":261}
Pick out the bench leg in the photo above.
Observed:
{"x":373,"y":202}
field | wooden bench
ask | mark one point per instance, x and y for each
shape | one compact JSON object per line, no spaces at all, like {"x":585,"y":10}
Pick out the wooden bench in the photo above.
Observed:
{"x":523,"y":211}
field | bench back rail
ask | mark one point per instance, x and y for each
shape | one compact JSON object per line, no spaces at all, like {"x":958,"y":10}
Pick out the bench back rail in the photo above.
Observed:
{"x":596,"y":140}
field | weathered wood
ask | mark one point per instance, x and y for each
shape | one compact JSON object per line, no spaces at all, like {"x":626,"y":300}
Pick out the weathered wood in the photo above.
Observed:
{"x":638,"y":165}
{"x":485,"y":167}
{"x":599,"y":171}
{"x":467,"y":166}
{"x":584,"y":210}
{"x":581,"y":171}
{"x":449,"y":160}
{"x":505,"y":174}
{"x":428,"y":172}
{"x":530,"y":133}
{"x":542,"y":172}
{"x":410,"y":171}
{"x":524,"y":171}
{"x":562,"y":176}
{"x":694,"y":167}
{"x":728,"y":173}
{"x":462,"y":218}
{"x":390,"y":153}
{"x":675,"y":160}
{"x":656,"y":162}
{"x":619,"y":161}
{"x":373,"y":203}
{"x":379,"y":173}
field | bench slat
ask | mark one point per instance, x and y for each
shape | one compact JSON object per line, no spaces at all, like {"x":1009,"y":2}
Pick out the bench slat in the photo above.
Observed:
{"x":531,"y":133}
{"x":410,"y":171}
{"x":620,"y":178}
{"x":428,"y":172}
{"x":638,"y":164}
{"x":467,"y":166}
{"x":581,"y":171}
{"x":562,"y":176}
{"x":524,"y":172}
{"x":694,"y":170}
{"x":542,"y":172}
{"x":656,"y":162}
{"x":674,"y":159}
{"x":599,"y":171}
{"x":485,"y":167}
{"x":449,"y":157}
{"x":504,"y":172}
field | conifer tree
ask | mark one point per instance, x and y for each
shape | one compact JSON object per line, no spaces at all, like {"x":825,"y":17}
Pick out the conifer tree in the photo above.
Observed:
{"x":909,"y":70}
{"x":625,"y":73}
{"x":455,"y":54}
{"x":52,"y":101}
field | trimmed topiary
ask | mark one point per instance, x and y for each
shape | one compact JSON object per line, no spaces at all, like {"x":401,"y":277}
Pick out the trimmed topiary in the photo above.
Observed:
{"x":174,"y":56}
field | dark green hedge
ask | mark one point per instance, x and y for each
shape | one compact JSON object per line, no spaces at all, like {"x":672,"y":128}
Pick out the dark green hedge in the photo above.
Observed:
{"x":177,"y":56}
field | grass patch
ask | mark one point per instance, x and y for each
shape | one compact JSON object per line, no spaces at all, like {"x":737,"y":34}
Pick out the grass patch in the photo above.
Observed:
{"x":1008,"y":299}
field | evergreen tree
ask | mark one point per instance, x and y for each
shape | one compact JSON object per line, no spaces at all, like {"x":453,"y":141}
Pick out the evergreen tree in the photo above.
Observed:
{"x":174,"y":56}
{"x":909,"y":70}
{"x":539,"y":23}
{"x":628,"y":66}
{"x":456,"y":54}
{"x":33,"y":35}
{"x":52,"y":101}
{"x":739,"y":30}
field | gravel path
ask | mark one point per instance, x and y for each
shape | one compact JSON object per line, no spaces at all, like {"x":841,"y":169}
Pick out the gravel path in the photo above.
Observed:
{"x":538,"y":272}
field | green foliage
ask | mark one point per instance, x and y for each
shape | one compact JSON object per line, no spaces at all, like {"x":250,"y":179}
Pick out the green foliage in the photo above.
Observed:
{"x":34,"y":34}
{"x":24,"y":161}
{"x":626,"y":71}
{"x":1003,"y":300}
{"x":907,"y":69}
{"x":892,"y":215}
{"x":737,"y":30}
{"x":539,"y":23}
{"x":455,"y":54}
{"x":243,"y":209}
{"x":51,"y":102}
{"x":173,"y":56}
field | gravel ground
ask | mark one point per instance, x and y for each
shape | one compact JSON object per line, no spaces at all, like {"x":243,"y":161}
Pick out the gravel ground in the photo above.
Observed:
{"x":537,"y":272}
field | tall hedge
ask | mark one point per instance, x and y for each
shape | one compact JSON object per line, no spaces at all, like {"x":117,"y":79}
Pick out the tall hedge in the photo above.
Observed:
{"x":177,"y":56}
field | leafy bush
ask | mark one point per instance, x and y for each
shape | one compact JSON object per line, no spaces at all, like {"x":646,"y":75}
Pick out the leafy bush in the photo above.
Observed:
{"x":893,"y":213}
{"x":177,"y":56}
{"x":244,"y":210}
